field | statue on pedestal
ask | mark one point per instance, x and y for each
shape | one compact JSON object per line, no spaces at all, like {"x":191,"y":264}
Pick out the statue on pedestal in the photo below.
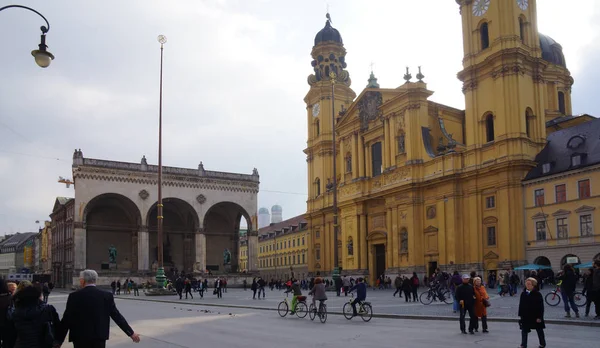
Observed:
{"x":226,"y":257}
{"x":112,"y":254}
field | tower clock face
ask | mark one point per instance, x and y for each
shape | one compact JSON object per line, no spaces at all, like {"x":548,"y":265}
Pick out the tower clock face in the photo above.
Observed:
{"x":523,"y":4}
{"x":480,"y":7}
{"x":316,"y":109}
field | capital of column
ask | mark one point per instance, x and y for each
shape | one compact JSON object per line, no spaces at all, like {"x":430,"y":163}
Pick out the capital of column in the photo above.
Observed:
{"x":201,"y":230}
{"x":252,"y":233}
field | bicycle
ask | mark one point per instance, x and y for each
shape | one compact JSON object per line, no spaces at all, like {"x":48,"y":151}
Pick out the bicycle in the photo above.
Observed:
{"x":553,"y":298}
{"x":365,"y":311}
{"x":428,"y":296}
{"x":301,"y":308}
{"x":321,"y":313}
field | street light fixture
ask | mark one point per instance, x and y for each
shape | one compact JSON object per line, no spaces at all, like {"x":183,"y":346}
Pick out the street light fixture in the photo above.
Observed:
{"x":42,"y":56}
{"x":160,"y":272}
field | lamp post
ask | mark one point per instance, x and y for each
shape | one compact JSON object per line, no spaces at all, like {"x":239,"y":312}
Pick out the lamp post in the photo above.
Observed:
{"x":336,"y":261}
{"x":43,"y":58}
{"x":160,"y":272}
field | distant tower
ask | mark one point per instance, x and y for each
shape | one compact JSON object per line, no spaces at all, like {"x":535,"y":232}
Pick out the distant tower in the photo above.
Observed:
{"x":264,"y":218}
{"x":276,"y":214}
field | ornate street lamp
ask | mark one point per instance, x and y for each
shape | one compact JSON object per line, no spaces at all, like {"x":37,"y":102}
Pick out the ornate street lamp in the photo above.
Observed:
{"x":160,"y":272}
{"x":42,"y":56}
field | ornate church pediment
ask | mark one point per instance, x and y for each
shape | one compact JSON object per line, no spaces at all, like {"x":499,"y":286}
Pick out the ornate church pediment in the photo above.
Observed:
{"x":431,"y":229}
{"x":368,"y":108}
{"x":561,"y":212}
{"x":539,"y":216}
{"x":491,"y":255}
{"x":490,"y":220}
{"x":584,"y":208}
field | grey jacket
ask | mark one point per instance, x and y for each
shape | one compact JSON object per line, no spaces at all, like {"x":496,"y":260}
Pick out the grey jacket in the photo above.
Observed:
{"x":318,"y":291}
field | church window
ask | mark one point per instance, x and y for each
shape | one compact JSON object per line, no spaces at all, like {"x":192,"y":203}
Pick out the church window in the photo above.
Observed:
{"x":491,"y":235}
{"x":489,"y":127}
{"x":303,"y":258}
{"x":376,"y":161}
{"x":302,"y":240}
{"x":348,"y":163}
{"x":584,"y":188}
{"x":317,"y":127}
{"x":540,"y":230}
{"x":561,"y":102}
{"x":562,"y":230}
{"x":522,"y":29}
{"x":528,"y":119}
{"x":539,"y":197}
{"x":485,"y":37}
{"x":490,"y":202}
{"x":318,"y":253}
{"x":318,"y":187}
{"x":294,"y":243}
{"x":318,"y":234}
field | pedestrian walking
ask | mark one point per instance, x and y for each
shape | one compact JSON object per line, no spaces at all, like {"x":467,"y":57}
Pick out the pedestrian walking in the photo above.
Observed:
{"x":5,"y":303}
{"x":466,"y":299}
{"x":245,"y":282}
{"x":588,"y":290}
{"x":87,"y":315}
{"x":455,"y":282}
{"x":567,"y":290}
{"x":118,"y":287}
{"x":136,"y":291}
{"x":113,"y":286}
{"x":398,"y":286}
{"x":531,"y":313}
{"x":45,"y":292}
{"x":415,"y":286}
{"x":261,"y":287}
{"x":596,"y":288}
{"x":406,"y":288}
{"x":188,"y":289}
{"x":179,"y":285}
{"x":482,"y":301}
{"x":29,"y":321}
{"x":254,"y":287}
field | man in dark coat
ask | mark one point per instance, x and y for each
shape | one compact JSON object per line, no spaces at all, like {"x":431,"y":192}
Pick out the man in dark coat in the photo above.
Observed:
{"x":531,"y":311}
{"x":465,"y":295}
{"x":88,"y":313}
{"x":596,"y":288}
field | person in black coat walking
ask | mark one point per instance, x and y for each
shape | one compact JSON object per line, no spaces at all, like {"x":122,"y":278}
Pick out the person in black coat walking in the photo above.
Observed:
{"x":32,"y":323}
{"x":88,"y":313}
{"x":5,"y":303}
{"x":188,"y":289}
{"x":588,"y":290}
{"x":567,"y":289}
{"x":465,"y":295}
{"x":531,"y":312}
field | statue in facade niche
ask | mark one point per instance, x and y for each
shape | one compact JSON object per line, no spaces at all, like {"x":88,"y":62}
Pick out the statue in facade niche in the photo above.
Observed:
{"x":350,"y":247}
{"x":112,"y":254}
{"x":226,"y":257}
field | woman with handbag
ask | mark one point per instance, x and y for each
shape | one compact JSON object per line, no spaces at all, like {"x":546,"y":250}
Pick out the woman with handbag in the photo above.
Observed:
{"x":482,"y":301}
{"x":32,"y":323}
{"x":531,"y":311}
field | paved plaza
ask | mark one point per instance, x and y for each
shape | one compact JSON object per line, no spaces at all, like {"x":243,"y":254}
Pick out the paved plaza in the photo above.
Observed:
{"x":192,"y":325}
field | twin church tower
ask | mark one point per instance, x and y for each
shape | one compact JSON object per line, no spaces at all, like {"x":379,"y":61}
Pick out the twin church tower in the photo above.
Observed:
{"x":420,"y":184}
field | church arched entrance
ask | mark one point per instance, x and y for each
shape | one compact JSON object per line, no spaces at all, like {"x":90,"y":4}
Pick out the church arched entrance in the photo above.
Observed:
{"x":222,"y":229}
{"x":111,"y":220}
{"x":180,"y":223}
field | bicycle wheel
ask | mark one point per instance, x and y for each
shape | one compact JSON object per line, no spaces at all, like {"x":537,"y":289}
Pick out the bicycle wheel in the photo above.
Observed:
{"x":323,"y":313}
{"x":367,"y":312}
{"x":282,"y":309}
{"x":580,"y":299}
{"x":348,"y":312}
{"x":312,"y":312}
{"x":552,"y":299}
{"x":301,"y":310}
{"x":447,"y":297}
{"x":426,"y":298}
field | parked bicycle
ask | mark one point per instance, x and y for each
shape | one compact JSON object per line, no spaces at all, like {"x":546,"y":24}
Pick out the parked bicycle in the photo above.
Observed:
{"x":432,"y":294}
{"x":301,"y":308}
{"x":553,"y":298}
{"x":321,"y":312}
{"x":365,"y":311}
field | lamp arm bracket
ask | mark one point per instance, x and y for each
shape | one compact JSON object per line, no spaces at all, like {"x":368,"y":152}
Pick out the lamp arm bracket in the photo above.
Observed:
{"x":44,"y":29}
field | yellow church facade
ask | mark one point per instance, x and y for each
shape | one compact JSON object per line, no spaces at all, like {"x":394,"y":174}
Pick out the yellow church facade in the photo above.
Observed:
{"x":423,"y":185}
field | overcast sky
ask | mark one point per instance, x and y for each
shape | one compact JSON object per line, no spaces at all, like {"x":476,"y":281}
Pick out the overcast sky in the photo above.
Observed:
{"x":235,"y":78}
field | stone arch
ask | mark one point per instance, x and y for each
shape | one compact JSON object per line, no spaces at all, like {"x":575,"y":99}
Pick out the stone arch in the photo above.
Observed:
{"x":563,"y":261}
{"x":484,"y":35}
{"x":111,"y":219}
{"x":180,"y":223}
{"x":543,"y":261}
{"x":222,"y":230}
{"x":373,"y":235}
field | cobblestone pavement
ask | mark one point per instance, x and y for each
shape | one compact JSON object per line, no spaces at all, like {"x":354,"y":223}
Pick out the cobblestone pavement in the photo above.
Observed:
{"x":382,"y":301}
{"x":184,"y":325}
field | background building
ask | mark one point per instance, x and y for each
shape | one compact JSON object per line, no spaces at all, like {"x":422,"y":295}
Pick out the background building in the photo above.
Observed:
{"x":264,"y":218}
{"x":283,"y":249}
{"x":16,"y":253}
{"x":61,"y":227}
{"x":562,"y":198}
{"x":423,"y":185}
{"x":276,"y":214}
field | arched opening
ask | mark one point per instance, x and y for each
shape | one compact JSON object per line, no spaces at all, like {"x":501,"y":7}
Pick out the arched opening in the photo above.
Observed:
{"x":569,"y":259}
{"x":528,"y":121}
{"x":111,"y":221}
{"x":489,"y":128}
{"x":522,"y":29}
{"x":542,"y":261}
{"x":222,"y":229}
{"x":484,"y":36}
{"x":317,"y":127}
{"x":317,"y":187}
{"x":561,"y":102}
{"x":180,"y":222}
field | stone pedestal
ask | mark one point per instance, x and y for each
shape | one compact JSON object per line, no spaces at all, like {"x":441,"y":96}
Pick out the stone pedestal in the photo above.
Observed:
{"x":112,"y":266}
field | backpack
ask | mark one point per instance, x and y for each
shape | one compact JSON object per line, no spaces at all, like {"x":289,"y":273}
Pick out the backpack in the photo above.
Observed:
{"x":415,"y":281}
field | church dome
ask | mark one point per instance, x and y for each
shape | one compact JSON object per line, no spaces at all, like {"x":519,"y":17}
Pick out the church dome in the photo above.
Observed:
{"x":276,"y":208}
{"x":263,"y":211}
{"x":328,"y":33}
{"x":552,"y":51}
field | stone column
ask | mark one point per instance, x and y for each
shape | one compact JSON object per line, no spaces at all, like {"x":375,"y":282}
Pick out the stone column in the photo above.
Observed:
{"x":389,"y":247}
{"x":362,"y":236}
{"x":361,"y":156}
{"x":201,"y":249}
{"x":252,"y":251}
{"x":79,"y":246}
{"x":143,"y":250}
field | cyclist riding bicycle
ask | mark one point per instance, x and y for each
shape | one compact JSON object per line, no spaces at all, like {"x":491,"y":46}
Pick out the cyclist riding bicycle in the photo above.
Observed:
{"x":361,"y":294}
{"x":297,"y":292}
{"x":318,"y":292}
